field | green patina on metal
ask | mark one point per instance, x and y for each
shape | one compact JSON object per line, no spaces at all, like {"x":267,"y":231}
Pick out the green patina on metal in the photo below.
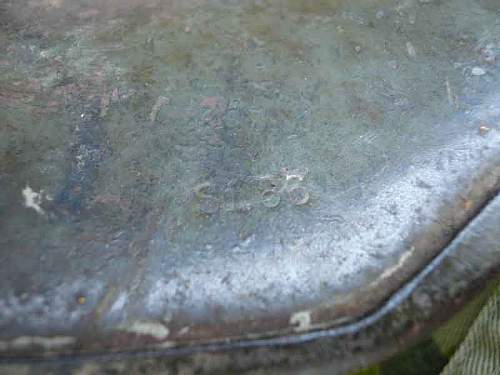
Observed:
{"x":220,"y":168}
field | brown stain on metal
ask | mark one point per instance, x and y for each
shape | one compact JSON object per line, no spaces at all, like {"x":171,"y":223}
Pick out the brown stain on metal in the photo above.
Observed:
{"x":359,"y":106}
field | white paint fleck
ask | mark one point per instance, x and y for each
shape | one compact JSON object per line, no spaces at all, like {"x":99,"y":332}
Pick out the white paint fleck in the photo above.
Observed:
{"x":184,"y":331}
{"x":412,"y":52}
{"x":294,"y":176}
{"x":45,"y":342}
{"x":478,"y":71}
{"x":153,"y":329}
{"x":404,"y":258}
{"x":32,"y":199}
{"x":21,"y":342}
{"x":301,"y":320}
{"x":166,"y":344}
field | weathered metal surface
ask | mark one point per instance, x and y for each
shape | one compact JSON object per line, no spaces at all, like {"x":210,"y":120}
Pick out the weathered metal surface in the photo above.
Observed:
{"x":177,"y":174}
{"x":431,"y":296}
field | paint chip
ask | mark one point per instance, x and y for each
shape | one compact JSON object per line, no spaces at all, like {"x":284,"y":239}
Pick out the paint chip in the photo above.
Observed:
{"x":477,"y":71}
{"x":401,"y":263}
{"x":412,"y":52}
{"x":153,"y":329}
{"x":301,"y":320}
{"x":45,"y":342}
{"x":32,"y":199}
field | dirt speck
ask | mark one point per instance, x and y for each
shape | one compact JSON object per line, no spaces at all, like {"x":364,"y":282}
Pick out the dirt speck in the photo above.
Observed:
{"x":214,"y":102}
{"x":483,"y":129}
{"x":81,"y":300}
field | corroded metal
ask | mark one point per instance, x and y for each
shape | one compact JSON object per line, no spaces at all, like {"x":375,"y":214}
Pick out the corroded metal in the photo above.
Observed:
{"x":187,"y":175}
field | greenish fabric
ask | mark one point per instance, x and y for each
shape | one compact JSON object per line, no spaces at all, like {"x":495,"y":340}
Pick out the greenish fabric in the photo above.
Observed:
{"x":479,"y":354}
{"x":452,"y":334}
{"x":469,"y":344}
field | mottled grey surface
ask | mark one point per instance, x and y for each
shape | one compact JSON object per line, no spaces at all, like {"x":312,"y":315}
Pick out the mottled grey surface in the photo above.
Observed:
{"x":174,"y":172}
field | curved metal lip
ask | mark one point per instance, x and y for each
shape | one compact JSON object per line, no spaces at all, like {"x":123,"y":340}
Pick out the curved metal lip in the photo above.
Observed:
{"x":285,"y":340}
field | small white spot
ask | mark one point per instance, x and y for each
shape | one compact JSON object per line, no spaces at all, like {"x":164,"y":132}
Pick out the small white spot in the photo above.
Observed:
{"x":166,"y":344}
{"x":22,"y":342}
{"x":477,"y":71}
{"x":299,"y":177}
{"x":32,"y":199}
{"x":412,"y":52}
{"x":301,"y":320}
{"x":156,"y":330}
{"x":184,"y":331}
{"x":483,"y":129}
